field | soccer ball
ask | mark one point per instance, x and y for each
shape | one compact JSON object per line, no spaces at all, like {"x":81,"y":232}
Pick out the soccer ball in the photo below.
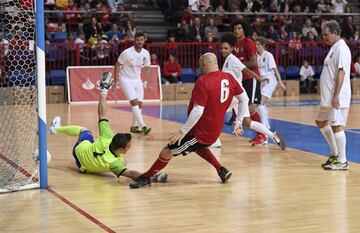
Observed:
{"x":37,"y":156}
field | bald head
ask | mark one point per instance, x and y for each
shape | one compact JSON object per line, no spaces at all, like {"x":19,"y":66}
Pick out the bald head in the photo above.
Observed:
{"x":208,"y":63}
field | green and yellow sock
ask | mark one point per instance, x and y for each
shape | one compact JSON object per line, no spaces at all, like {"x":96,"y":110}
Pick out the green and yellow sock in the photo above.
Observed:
{"x":71,"y":130}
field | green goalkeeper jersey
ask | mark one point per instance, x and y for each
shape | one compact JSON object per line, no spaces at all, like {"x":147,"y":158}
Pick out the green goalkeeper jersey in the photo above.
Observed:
{"x":97,"y":157}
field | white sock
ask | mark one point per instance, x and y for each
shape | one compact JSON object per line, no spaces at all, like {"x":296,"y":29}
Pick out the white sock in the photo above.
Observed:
{"x":330,"y":139}
{"x":261,"y":128}
{"x":137,"y":115}
{"x":340,"y":139}
{"x":263,"y":115}
{"x":134,"y":121}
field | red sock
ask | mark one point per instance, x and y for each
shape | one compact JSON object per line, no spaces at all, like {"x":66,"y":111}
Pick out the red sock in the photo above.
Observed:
{"x":210,"y":157}
{"x":256,"y":117}
{"x":158,"y":165}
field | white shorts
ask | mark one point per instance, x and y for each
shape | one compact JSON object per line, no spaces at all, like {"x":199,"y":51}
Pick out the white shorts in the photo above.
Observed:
{"x":132,"y":89}
{"x":268,"y":88}
{"x":333,"y":116}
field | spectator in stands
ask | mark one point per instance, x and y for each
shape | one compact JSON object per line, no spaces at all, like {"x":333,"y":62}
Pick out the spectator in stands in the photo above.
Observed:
{"x":220,"y":10}
{"x":49,"y":4}
{"x":357,"y":68}
{"x":183,"y":31}
{"x":285,"y":6}
{"x":154,"y":60}
{"x":212,"y":28}
{"x":205,"y":3}
{"x":328,"y":8}
{"x":210,"y":37}
{"x":306,"y":77}
{"x":171,"y":45}
{"x":309,"y":38}
{"x":129,"y":30}
{"x":114,"y":34}
{"x":72,"y":19}
{"x":4,"y":45}
{"x":283,"y":34}
{"x":273,"y":6}
{"x":120,"y":18}
{"x":271,"y":33}
{"x":339,"y":6}
{"x":196,"y":31}
{"x":80,"y":41}
{"x":348,"y":9}
{"x":309,"y":28}
{"x":92,"y":29}
{"x":172,"y":70}
{"x":194,"y":5}
{"x":295,"y":42}
{"x":321,"y":6}
{"x":186,"y":16}
{"x":250,"y":6}
{"x":86,"y":17}
{"x":348,"y":28}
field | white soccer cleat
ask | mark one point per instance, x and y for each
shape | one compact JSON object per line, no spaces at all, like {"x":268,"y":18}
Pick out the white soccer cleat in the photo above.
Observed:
{"x":55,"y":123}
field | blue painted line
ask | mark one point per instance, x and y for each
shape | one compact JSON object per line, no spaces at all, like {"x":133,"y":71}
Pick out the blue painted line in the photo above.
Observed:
{"x":298,"y":136}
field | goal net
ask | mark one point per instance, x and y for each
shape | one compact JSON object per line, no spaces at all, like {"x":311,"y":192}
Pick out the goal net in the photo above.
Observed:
{"x":18,"y":96}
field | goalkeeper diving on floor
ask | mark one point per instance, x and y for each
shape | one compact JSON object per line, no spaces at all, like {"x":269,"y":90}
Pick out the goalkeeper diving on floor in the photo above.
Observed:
{"x":105,"y":154}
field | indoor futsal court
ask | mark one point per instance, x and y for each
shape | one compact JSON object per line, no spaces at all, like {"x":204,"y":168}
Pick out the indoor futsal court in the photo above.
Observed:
{"x":270,"y":190}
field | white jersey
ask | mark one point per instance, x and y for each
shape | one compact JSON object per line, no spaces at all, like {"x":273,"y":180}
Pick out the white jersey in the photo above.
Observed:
{"x":233,"y":66}
{"x":266,"y":63}
{"x":132,"y":62}
{"x":338,"y":57}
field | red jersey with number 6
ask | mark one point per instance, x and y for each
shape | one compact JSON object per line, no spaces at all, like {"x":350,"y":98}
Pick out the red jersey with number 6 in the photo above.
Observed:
{"x":214,"y":91}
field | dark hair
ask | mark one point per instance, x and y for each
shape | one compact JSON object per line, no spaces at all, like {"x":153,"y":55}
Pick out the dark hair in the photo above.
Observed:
{"x":229,"y":38}
{"x":138,"y":34}
{"x":120,"y":141}
{"x":243,"y":24}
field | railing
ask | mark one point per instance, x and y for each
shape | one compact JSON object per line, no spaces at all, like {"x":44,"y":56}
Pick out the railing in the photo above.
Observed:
{"x":59,"y":56}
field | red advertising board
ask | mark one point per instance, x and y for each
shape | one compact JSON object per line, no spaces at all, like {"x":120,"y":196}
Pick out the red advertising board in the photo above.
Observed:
{"x":84,"y":85}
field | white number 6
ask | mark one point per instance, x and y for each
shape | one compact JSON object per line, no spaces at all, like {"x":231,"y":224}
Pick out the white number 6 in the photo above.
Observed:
{"x":225,"y":91}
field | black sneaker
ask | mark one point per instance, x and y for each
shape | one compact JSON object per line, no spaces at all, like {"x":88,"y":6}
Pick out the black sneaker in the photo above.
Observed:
{"x":146,"y":130}
{"x":331,"y":159}
{"x":135,"y":129}
{"x":224,"y":174}
{"x":141,"y":181}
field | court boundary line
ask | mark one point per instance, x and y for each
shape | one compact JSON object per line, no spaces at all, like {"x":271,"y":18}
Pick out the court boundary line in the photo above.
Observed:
{"x":59,"y":196}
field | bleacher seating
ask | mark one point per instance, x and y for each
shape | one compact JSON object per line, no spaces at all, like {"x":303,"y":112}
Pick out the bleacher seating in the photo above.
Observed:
{"x":187,"y":75}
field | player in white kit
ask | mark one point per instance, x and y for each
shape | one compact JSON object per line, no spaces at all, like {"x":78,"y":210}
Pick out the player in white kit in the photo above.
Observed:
{"x":268,"y":69}
{"x":127,"y":72}
{"x":235,"y":67}
{"x":335,"y":95}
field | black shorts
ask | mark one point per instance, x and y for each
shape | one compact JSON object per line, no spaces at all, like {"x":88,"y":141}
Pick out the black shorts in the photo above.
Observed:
{"x":253,"y":90}
{"x":188,"y":144}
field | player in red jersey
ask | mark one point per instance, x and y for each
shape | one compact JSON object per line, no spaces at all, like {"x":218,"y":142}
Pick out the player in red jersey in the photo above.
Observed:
{"x":211,"y":97}
{"x":245,"y":50}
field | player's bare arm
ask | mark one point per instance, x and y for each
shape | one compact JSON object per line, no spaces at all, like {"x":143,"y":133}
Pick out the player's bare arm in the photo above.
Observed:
{"x":254,"y":75}
{"x":117,"y":71}
{"x":278,"y":77}
{"x":338,"y":84}
{"x":251,"y":63}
